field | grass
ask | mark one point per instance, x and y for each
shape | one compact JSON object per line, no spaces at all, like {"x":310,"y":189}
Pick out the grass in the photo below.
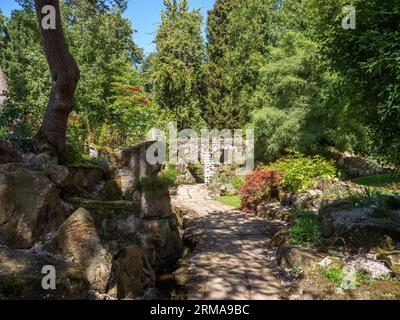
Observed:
{"x":378,"y":180}
{"x":233,"y":201}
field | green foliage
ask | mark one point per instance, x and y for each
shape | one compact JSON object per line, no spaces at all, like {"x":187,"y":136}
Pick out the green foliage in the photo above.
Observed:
{"x":305,"y":230}
{"x":164,"y":180}
{"x":232,"y":200}
{"x":171,"y":173}
{"x":368,"y":59}
{"x":275,"y":131}
{"x":336,"y":275}
{"x":177,"y":71}
{"x":300,"y":172}
{"x":131,"y":112}
{"x":226,"y":178}
{"x":333,"y":274}
{"x":28,"y":88}
{"x":100,"y":39}
{"x":285,"y":68}
{"x":219,"y":106}
{"x":237,"y":182}
{"x":239,"y":33}
{"x":156,"y":182}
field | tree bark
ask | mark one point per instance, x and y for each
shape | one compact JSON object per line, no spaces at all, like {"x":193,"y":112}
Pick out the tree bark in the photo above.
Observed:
{"x":65,"y":76}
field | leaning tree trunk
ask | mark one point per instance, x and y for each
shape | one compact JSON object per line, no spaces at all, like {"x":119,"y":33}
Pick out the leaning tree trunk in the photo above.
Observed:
{"x":65,"y":76}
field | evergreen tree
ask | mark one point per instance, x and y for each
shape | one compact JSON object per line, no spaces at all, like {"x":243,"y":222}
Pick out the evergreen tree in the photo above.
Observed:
{"x":178,"y":67}
{"x":237,"y":49}
{"x":217,"y":105}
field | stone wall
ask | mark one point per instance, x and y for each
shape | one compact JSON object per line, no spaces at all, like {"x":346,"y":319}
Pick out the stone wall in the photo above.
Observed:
{"x":95,"y":217}
{"x":355,"y":166}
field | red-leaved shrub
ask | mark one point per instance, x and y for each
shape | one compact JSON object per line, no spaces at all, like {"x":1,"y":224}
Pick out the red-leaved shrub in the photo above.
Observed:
{"x":261,"y":185}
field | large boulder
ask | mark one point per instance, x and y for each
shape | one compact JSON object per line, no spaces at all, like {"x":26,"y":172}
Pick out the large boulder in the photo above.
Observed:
{"x":77,"y":238}
{"x":59,"y":175}
{"x":355,"y":166}
{"x":156,"y":203}
{"x":86,"y":181}
{"x":273,"y":211}
{"x":40,"y":162}
{"x":9,"y":152}
{"x":130,"y":165}
{"x":359,"y":227}
{"x":21,"y":277}
{"x":164,"y":240}
{"x":114,"y":220}
{"x":298,"y":257}
{"x":134,"y":274}
{"x":29,"y":206}
{"x":391,"y":259}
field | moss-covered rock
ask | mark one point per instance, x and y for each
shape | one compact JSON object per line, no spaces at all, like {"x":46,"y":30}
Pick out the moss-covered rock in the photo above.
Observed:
{"x":359,"y":227}
{"x":391,"y":259}
{"x":115,"y":220}
{"x":155,"y":203}
{"x":298,"y":257}
{"x":77,"y":238}
{"x":9,"y":152}
{"x":130,"y":165}
{"x":30,"y":206}
{"x":164,"y":240}
{"x":86,"y":181}
{"x":21,"y":277}
{"x":134,"y":274}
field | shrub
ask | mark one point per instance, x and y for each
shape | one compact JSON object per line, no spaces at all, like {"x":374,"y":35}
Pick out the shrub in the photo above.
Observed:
{"x":171,"y":173}
{"x":276,"y":130}
{"x":300,"y":172}
{"x":198,"y":172}
{"x":223,"y":178}
{"x":305,"y":229}
{"x":157,"y":182}
{"x":260,"y":185}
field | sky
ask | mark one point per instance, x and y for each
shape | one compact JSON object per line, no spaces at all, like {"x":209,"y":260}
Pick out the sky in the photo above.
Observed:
{"x":144,"y":15}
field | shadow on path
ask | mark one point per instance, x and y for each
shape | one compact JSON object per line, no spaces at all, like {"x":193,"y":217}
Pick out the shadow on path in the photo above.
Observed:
{"x":231,"y":259}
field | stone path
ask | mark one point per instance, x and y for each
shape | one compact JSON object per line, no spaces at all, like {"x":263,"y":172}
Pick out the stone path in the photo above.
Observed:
{"x":231,"y":259}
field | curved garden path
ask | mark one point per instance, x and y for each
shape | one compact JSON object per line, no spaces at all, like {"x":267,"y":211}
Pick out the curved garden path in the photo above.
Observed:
{"x":231,"y":259}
